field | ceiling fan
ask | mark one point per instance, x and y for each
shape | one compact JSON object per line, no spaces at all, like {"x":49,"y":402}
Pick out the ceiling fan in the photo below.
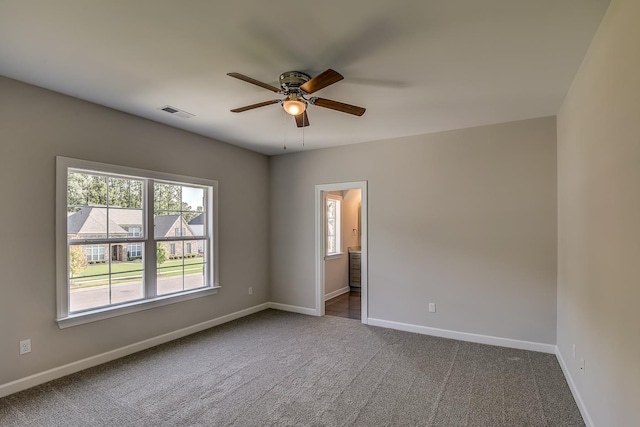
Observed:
{"x":295,"y":86}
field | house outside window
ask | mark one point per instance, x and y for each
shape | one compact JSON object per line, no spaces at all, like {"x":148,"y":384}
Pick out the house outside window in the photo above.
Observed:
{"x":332,"y":225}
{"x":105,"y":210}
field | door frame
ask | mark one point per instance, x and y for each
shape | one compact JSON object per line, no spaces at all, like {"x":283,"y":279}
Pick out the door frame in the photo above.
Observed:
{"x":321,"y":189}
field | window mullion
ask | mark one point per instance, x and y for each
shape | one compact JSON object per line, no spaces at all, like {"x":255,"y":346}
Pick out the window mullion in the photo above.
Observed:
{"x":150,"y":271}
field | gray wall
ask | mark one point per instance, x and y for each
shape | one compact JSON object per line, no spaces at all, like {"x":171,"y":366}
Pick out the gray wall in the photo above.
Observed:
{"x":599,"y":221}
{"x":465,"y":218}
{"x":35,"y":126}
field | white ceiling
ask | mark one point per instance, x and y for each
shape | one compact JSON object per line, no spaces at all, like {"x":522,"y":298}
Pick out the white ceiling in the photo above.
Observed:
{"x":418,"y":66}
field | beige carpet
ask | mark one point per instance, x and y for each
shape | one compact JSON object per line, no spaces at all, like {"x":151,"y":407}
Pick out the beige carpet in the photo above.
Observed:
{"x":283,"y":369}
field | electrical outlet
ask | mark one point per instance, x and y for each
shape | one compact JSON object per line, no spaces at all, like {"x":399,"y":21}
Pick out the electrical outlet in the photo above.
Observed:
{"x":582,"y":366}
{"x":574,"y":352}
{"x":432,"y":307}
{"x":250,"y":290}
{"x":25,"y":346}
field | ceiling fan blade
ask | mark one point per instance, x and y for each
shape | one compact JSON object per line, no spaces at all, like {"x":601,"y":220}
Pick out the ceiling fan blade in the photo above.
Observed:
{"x":302,"y":120}
{"x":321,"y":81}
{"x":252,"y":106}
{"x":255,"y":82}
{"x":338,"y":106}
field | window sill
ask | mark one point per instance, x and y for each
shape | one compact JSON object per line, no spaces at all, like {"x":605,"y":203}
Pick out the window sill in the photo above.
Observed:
{"x":333,"y":256}
{"x":132,"y":307}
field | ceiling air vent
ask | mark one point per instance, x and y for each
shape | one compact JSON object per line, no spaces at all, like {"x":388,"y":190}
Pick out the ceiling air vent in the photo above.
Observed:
{"x":176,"y":112}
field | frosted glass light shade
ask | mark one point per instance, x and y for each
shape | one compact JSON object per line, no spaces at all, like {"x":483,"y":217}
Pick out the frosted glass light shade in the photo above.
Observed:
{"x":294,"y":107}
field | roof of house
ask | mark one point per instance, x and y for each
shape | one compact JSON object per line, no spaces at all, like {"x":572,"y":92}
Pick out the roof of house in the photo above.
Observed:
{"x":90,"y":220}
{"x":93,"y":220}
{"x":164,"y":224}
{"x":199,"y":220}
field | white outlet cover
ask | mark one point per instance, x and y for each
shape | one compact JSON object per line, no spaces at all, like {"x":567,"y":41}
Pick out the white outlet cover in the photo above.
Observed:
{"x":432,"y":307}
{"x":25,"y":346}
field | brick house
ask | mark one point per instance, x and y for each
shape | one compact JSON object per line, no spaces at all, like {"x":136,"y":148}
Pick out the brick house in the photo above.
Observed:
{"x":92,"y":222}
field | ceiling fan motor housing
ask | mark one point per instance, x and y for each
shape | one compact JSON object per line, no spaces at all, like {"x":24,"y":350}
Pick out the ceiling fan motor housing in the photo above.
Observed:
{"x":292,"y":80}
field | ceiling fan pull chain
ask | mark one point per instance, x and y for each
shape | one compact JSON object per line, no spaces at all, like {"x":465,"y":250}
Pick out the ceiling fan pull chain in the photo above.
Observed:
{"x":284,"y":129}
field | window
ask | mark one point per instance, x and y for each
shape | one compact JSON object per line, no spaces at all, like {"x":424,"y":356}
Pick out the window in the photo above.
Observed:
{"x":134,"y":231}
{"x":94,"y":253}
{"x":332,"y":226}
{"x":134,"y":250}
{"x":122,"y":237}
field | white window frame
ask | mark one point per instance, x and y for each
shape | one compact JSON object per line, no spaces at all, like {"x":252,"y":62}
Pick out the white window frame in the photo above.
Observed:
{"x":338,"y":199}
{"x":64,"y":318}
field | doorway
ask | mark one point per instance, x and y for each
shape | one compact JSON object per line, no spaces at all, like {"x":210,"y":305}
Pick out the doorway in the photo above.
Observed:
{"x":340,"y":251}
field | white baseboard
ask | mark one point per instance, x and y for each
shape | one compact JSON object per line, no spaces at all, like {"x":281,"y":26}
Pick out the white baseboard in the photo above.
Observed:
{"x":465,"y":336}
{"x":574,"y":390}
{"x":293,"y":308}
{"x":70,"y":368}
{"x":337,"y":293}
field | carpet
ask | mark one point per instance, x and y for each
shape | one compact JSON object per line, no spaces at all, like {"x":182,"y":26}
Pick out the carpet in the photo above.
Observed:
{"x":283,"y":369}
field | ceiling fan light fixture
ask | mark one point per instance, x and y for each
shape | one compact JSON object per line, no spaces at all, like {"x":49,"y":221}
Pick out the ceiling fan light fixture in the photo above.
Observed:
{"x":294,"y":106}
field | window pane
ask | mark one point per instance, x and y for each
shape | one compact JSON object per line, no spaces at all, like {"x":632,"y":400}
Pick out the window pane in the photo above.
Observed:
{"x":193,"y":199}
{"x":124,"y":222}
{"x":98,"y":278}
{"x":331,"y":227}
{"x":194,"y":268}
{"x":181,"y":271}
{"x":92,"y":213}
{"x":179,"y":210}
{"x":88,"y":292}
{"x":167,"y":222}
{"x":196,"y":222}
{"x":84,"y":189}
{"x":331,"y":245}
{"x":171,"y":271}
{"x":125,"y":192}
{"x":331,"y":209}
{"x":87,"y":223}
{"x":167,"y":197}
{"x":126,"y":287}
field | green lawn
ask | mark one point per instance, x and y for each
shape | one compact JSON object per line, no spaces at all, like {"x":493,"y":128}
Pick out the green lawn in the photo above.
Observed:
{"x":97,"y":274}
